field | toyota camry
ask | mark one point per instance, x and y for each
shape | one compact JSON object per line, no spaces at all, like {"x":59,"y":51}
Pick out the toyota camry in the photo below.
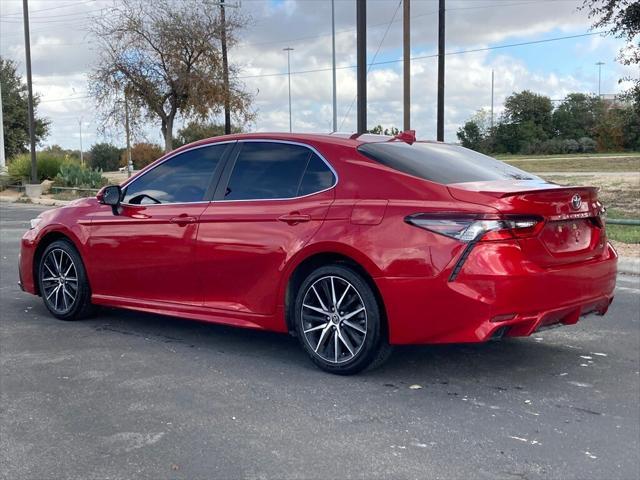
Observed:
{"x":352,"y":243}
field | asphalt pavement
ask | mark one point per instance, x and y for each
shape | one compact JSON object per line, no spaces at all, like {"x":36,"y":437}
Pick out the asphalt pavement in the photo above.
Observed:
{"x":130,"y":395}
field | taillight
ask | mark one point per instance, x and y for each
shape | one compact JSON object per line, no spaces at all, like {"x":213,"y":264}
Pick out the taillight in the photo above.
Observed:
{"x":473,"y":228}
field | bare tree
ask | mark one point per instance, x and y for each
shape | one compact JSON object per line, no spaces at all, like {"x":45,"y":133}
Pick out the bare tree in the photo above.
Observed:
{"x":166,"y":56}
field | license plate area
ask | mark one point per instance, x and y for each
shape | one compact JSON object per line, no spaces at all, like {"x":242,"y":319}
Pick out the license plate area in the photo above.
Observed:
{"x":570,"y":236}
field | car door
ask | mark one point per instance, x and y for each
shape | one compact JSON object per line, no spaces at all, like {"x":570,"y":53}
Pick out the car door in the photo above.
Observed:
{"x":272,"y":198}
{"x":147,"y":251}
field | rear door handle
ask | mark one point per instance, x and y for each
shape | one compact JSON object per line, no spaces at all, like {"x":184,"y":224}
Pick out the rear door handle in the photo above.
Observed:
{"x":294,"y":217}
{"x":183,"y":220}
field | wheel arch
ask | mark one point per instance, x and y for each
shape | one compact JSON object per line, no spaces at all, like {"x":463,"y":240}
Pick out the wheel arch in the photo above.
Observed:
{"x":45,"y":240}
{"x":317,"y":258}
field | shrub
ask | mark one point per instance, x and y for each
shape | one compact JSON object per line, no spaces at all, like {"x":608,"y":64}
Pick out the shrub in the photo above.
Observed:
{"x":105,"y":157}
{"x":587,"y":145}
{"x":570,"y":146}
{"x":48,"y":164}
{"x":142,"y":154}
{"x":75,"y":175}
{"x":553,"y":146}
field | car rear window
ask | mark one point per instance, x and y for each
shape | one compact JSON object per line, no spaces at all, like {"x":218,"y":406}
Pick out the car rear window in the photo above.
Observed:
{"x":441,"y":163}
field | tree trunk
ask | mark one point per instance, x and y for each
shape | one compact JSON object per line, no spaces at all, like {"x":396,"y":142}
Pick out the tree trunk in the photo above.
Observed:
{"x":167,"y":133}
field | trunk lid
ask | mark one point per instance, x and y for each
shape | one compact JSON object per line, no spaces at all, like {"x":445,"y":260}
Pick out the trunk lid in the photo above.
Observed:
{"x":573,"y":229}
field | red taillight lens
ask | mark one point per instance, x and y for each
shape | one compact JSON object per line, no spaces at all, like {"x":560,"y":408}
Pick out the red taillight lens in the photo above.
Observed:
{"x":473,"y":228}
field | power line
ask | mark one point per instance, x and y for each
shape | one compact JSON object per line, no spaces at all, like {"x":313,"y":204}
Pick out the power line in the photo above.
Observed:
{"x":51,"y":8}
{"x":374,"y":59}
{"x":375,"y":25}
{"x":422,"y":57}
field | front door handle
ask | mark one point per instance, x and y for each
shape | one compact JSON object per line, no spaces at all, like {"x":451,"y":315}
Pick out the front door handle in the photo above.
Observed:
{"x":183,"y":220}
{"x":294,"y":217}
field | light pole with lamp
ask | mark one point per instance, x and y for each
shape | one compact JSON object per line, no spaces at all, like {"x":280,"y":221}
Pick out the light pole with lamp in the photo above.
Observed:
{"x":289,"y":50}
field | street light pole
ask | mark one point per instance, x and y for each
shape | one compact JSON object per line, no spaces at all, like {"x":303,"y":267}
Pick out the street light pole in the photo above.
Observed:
{"x":599,"y":64}
{"x":81,"y":156}
{"x":3,"y":162}
{"x":289,"y":50}
{"x":225,"y":70}
{"x":492,"y":100}
{"x":32,"y":132}
{"x":441,"y":37}
{"x":361,"y":47}
{"x":333,"y":58}
{"x":406,"y":40}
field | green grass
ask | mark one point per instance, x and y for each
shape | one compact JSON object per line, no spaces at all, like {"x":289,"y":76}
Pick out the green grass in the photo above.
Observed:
{"x":578,"y":164}
{"x":509,"y":156}
{"x":623,"y":233}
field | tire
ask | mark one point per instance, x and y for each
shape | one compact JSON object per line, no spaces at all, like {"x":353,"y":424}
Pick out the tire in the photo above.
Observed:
{"x":355,"y":326}
{"x":65,"y":294}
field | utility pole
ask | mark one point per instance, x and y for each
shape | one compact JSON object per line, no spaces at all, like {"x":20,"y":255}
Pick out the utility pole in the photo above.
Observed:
{"x":225,"y":71}
{"x":128,"y":133}
{"x":81,"y":155}
{"x":361,"y":47}
{"x":32,"y":132}
{"x":289,"y":50}
{"x":333,"y":57}
{"x":3,"y":161}
{"x":406,"y":45}
{"x":492,"y":100}
{"x":440,"y":115}
{"x":599,"y":64}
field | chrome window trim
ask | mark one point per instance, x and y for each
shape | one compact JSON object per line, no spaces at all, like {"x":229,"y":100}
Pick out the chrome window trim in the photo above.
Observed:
{"x":130,"y":182}
{"x":286,"y":142}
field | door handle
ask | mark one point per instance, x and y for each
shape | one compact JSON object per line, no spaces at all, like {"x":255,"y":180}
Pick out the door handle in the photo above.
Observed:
{"x":183,"y":220}
{"x":294,"y":217}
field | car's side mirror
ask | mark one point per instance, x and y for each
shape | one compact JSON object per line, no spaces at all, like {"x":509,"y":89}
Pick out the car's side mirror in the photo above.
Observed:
{"x":110,"y":195}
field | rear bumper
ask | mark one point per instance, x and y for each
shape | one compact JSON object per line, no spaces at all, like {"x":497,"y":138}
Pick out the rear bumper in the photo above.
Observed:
{"x":497,"y":292}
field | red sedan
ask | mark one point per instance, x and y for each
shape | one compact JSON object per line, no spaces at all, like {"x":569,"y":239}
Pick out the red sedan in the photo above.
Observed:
{"x":351,"y":243}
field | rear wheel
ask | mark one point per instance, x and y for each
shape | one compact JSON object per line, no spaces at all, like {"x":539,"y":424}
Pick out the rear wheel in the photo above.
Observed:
{"x":63,"y":282}
{"x":338,"y":321}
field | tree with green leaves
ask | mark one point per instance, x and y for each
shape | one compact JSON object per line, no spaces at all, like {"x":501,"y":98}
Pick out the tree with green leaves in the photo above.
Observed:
{"x":15,"y":111}
{"x":577,"y":116}
{"x":194,"y":131}
{"x":476,"y":133}
{"x":105,"y":157}
{"x":166,"y":56}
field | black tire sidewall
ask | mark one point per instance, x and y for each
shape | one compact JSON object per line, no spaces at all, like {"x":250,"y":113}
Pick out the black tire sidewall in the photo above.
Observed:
{"x":374,"y":337}
{"x":83,"y":296}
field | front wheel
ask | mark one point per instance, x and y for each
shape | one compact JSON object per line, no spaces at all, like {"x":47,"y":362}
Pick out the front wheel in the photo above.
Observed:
{"x":63,"y":281}
{"x":338,"y":321}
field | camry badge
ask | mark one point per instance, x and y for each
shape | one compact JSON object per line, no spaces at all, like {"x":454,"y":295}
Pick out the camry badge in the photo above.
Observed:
{"x":576,"y":202}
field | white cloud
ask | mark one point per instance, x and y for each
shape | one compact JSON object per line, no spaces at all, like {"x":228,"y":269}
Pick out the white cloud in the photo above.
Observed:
{"x":62,"y":55}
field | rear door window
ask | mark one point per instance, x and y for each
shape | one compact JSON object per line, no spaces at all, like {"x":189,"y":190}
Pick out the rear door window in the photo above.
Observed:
{"x":442,"y":163}
{"x":271,"y":170}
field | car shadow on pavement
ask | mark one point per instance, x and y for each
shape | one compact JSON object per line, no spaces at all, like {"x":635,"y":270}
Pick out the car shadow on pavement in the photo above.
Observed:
{"x":522,"y":360}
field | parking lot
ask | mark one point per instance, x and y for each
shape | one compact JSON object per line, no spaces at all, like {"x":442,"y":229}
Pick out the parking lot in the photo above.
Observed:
{"x":132,"y":395}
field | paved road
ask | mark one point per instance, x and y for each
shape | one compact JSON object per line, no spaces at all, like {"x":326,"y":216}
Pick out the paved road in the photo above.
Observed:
{"x":128,"y":395}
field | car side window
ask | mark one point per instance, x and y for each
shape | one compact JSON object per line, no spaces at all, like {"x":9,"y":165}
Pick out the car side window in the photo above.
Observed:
{"x":271,"y":170}
{"x":184,"y":178}
{"x":317,"y":177}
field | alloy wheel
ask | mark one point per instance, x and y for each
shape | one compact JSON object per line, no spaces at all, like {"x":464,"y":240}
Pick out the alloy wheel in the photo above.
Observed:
{"x":334,"y":319}
{"x":59,"y":278}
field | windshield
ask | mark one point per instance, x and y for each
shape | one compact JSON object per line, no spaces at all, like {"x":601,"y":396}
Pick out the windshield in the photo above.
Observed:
{"x":442,"y":163}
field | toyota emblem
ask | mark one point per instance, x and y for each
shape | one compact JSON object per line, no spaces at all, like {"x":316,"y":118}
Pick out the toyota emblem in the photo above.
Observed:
{"x":576,"y":202}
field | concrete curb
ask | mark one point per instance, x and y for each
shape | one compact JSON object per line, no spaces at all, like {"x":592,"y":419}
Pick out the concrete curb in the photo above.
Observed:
{"x":36,"y":201}
{"x":626,"y":265}
{"x":629,"y":265}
